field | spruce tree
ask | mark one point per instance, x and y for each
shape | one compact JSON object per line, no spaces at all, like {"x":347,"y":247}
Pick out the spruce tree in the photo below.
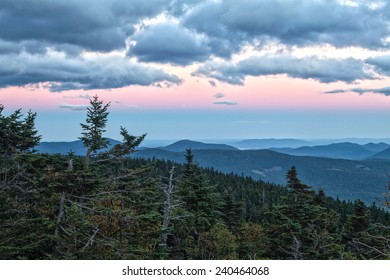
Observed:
{"x":300,"y":192}
{"x":200,"y":201}
{"x":17,"y":135}
{"x":94,"y":128}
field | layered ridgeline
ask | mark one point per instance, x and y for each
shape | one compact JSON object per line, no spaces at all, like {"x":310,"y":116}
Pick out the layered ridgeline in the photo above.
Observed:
{"x":111,"y":204}
{"x":346,"y":179}
{"x":330,"y":167}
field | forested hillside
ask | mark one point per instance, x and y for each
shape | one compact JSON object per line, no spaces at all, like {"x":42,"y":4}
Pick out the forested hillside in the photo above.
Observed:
{"x":111,"y":205}
{"x":346,"y":179}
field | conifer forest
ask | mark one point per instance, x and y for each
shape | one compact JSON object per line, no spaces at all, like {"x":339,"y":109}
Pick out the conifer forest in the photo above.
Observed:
{"x":109,"y":204}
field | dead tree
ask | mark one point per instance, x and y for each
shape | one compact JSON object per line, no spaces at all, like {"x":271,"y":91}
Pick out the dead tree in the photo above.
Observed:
{"x":169,"y":205}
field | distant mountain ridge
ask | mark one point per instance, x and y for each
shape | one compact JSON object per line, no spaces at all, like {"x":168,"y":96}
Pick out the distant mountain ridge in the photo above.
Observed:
{"x":344,"y":150}
{"x":346,"y":179}
{"x":182,"y":145}
{"x":64,"y":148}
{"x":269,"y":143}
{"x":385,"y":154}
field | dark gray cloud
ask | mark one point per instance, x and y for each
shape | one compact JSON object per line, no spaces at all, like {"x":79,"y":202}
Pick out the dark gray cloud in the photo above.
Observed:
{"x":323,"y":70}
{"x":229,"y":103}
{"x":104,"y":25}
{"x":231,"y":23}
{"x":360,"y":90}
{"x":87,"y":24}
{"x":30,"y":46}
{"x":197,"y":31}
{"x":169,"y":43}
{"x":383,"y":91}
{"x":63,"y":73}
{"x":381,"y":64}
{"x":98,"y":25}
{"x":335,"y":91}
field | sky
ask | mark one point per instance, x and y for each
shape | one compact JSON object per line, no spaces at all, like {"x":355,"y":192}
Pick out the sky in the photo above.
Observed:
{"x":200,"y":69}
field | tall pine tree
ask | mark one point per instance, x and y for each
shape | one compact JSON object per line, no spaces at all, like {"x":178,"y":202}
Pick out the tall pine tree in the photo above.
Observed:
{"x":94,"y":128}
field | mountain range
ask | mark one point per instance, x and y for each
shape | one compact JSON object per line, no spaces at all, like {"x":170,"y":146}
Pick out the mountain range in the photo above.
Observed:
{"x":345,"y":170}
{"x":345,"y":150}
{"x":64,"y":148}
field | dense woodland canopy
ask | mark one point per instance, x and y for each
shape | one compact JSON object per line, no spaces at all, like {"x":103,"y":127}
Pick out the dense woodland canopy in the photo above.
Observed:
{"x":112,"y":205}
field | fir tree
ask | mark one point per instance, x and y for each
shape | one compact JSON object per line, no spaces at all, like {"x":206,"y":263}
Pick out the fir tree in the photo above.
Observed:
{"x":200,"y":202}
{"x":17,"y":135}
{"x":299,"y":191}
{"x":94,"y":128}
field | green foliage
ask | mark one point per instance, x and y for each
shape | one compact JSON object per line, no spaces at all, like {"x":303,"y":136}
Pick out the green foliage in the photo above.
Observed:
{"x":252,"y":242}
{"x":97,"y":117}
{"x":128,"y":145}
{"x":200,"y":204}
{"x":299,"y":192}
{"x":218,"y":244}
{"x":231,"y":211}
{"x":56,"y":207}
{"x":17,"y":135}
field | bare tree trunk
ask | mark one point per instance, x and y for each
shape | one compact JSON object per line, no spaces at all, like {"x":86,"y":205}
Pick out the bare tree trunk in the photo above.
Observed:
{"x":87,"y":155}
{"x":70,"y":165}
{"x":121,"y":224}
{"x":296,"y":248}
{"x":60,"y":213}
{"x":168,"y":206}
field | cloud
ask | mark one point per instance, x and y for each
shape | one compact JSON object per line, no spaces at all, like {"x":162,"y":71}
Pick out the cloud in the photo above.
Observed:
{"x":335,"y":91}
{"x":219,"y":95}
{"x":381,"y":64}
{"x":63,"y":73}
{"x":360,"y":90}
{"x":82,"y":95}
{"x":290,"y":22}
{"x":322,"y":70}
{"x":169,"y":43}
{"x":184,"y":32}
{"x":73,"y":107}
{"x":98,"y":25}
{"x":212,"y":83}
{"x":383,"y":91}
{"x":229,"y":103}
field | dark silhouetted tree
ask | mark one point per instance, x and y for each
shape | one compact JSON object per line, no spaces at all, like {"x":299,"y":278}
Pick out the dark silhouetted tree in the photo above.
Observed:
{"x":94,"y":127}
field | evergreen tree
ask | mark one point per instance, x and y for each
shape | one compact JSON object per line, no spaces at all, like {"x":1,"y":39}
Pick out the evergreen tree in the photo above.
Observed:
{"x":231,"y":211}
{"x":128,"y":145}
{"x":252,"y":242}
{"x":300,"y":192}
{"x":300,"y":229}
{"x":94,"y":128}
{"x":217,"y":244}
{"x":17,"y":135}
{"x":356,"y":227}
{"x":200,"y":202}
